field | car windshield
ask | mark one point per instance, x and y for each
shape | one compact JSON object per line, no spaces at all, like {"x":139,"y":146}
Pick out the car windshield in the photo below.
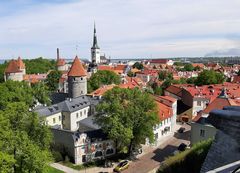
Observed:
{"x":122,"y":164}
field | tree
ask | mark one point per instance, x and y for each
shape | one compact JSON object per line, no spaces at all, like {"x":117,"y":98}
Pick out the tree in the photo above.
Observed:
{"x":41,"y":93}
{"x":197,"y":68}
{"x":162,"y":75}
{"x":166,"y":83}
{"x":25,"y":141}
{"x":207,"y":77}
{"x":138,"y":65}
{"x":130,"y":74}
{"x":39,"y":65}
{"x":102,"y":77}
{"x":188,"y":67}
{"x":157,"y":89}
{"x":52,"y":80}
{"x":2,"y":69}
{"x":127,"y":117}
{"x":191,"y":80}
{"x":178,"y":64}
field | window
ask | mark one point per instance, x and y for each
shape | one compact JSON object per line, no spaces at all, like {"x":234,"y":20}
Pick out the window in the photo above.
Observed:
{"x":80,"y":113}
{"x":77,"y":115}
{"x":199,"y":103}
{"x":54,"y":120}
{"x":109,"y":151}
{"x":85,"y":112}
{"x":59,"y":118}
{"x":84,"y":158}
{"x":98,"y":154}
{"x":81,"y":78}
{"x":202,"y":133}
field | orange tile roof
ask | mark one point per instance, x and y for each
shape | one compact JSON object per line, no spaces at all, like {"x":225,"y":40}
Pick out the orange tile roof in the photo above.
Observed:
{"x":219,"y":103}
{"x":21,"y":63}
{"x":201,"y":65}
{"x":164,"y":111}
{"x":61,"y":62}
{"x":100,"y":91}
{"x":105,"y":67}
{"x":77,"y":68}
{"x":15,"y":66}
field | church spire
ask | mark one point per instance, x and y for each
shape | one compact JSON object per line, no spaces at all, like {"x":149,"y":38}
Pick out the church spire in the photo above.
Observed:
{"x":95,"y":45}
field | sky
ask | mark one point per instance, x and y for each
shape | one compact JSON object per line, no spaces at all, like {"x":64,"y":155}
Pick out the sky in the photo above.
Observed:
{"x":125,"y":28}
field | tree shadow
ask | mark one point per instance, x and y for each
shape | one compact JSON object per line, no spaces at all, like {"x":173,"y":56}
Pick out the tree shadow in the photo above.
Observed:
{"x":162,"y":153}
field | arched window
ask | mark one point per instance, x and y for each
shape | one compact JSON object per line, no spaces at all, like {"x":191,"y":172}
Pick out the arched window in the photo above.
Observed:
{"x":98,"y":154}
{"x":109,"y":151}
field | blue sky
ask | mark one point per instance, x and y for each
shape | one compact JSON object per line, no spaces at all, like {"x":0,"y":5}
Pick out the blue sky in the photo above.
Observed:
{"x":125,"y":28}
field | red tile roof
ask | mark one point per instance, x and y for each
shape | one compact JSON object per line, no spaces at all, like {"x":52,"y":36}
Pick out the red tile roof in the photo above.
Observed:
{"x":77,"y":68}
{"x":15,"y":66}
{"x":174,"y":90}
{"x":164,"y":111}
{"x":61,"y":62}
{"x":219,"y":103}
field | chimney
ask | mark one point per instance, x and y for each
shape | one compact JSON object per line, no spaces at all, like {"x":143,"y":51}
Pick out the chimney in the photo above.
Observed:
{"x":58,"y":54}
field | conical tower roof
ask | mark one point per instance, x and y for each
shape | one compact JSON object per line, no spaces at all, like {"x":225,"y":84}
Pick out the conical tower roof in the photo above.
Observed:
{"x":77,"y":68}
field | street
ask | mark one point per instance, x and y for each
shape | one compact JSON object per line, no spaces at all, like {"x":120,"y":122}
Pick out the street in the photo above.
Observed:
{"x":153,"y":158}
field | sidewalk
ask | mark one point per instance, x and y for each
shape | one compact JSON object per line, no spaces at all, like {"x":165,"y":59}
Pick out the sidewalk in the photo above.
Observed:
{"x":90,"y":170}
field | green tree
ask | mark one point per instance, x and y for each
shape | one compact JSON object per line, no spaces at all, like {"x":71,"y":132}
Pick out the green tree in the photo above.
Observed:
{"x":129,"y":117}
{"x":138,"y":65}
{"x":162,"y":75}
{"x":166,"y":83}
{"x":130,"y":74}
{"x":157,"y":89}
{"x":197,"y":68}
{"x":41,"y":93}
{"x":191,"y":80}
{"x":102,"y":77}
{"x":52,"y":80}
{"x":2,"y":69}
{"x":238,"y":73}
{"x":24,"y":140}
{"x":39,"y":65}
{"x":178,"y":64}
{"x":207,"y":77}
{"x":188,"y":67}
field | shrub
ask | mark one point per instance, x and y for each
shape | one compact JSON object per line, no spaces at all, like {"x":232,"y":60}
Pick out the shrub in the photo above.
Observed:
{"x":189,"y":161}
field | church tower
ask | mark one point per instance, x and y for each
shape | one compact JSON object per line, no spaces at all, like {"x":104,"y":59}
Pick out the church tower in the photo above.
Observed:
{"x":95,"y":50}
{"x":77,"y":79}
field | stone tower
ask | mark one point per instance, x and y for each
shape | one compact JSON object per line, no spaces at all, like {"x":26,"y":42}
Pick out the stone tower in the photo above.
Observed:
{"x":77,"y":79}
{"x":95,"y":50}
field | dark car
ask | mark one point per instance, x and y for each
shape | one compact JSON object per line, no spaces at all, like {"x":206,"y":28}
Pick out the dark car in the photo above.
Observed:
{"x":182,"y":147}
{"x":181,"y":130}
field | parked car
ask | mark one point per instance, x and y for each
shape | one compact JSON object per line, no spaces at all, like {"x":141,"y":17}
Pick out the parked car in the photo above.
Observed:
{"x":121,"y":166}
{"x":181,"y":130}
{"x":182,"y":147}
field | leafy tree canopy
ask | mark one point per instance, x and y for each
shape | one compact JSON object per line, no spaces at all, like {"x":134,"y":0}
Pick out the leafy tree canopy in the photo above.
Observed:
{"x":52,"y":80}
{"x":207,"y":77}
{"x":129,"y":117}
{"x":102,"y":77}
{"x":24,"y":140}
{"x":39,"y":65}
{"x":188,"y":67}
{"x":162,"y":75}
{"x":138,"y":65}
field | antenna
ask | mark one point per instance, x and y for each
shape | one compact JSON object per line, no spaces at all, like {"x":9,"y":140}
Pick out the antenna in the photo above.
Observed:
{"x":76,"y":49}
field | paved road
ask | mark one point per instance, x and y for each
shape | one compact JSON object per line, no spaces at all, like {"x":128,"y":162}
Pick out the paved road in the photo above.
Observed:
{"x":153,"y":159}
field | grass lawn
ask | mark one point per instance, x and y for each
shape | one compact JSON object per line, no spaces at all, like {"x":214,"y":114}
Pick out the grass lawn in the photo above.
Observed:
{"x":52,"y":170}
{"x":81,"y":167}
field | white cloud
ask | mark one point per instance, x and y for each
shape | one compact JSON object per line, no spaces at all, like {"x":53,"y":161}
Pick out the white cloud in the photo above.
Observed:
{"x":133,"y":28}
